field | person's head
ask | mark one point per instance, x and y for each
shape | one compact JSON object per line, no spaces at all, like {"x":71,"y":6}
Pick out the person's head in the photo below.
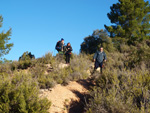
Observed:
{"x":101,"y":49}
{"x":68,"y":44}
{"x":62,"y":40}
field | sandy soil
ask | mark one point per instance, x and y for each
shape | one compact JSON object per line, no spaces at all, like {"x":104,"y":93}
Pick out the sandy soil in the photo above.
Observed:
{"x":62,"y":96}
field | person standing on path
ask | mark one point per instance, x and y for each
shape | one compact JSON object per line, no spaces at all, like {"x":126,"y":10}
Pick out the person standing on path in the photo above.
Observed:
{"x":68,"y":53}
{"x":99,"y":58}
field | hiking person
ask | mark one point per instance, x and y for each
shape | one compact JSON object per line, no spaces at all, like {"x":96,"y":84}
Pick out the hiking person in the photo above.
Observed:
{"x":99,"y":58}
{"x":68,"y":53}
{"x":60,"y":45}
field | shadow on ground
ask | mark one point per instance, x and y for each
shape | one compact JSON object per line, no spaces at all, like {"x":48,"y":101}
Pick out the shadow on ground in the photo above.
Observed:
{"x":79,"y":106}
{"x":86,"y":83}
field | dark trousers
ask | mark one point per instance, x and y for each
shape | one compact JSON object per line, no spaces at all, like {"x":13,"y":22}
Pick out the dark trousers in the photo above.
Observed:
{"x":98,"y":64}
{"x":68,"y":56}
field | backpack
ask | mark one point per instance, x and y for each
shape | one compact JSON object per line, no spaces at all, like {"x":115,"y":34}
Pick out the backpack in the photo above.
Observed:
{"x":57,"y":45}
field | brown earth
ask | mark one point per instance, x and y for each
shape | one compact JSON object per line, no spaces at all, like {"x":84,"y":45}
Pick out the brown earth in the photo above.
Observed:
{"x":67,"y":99}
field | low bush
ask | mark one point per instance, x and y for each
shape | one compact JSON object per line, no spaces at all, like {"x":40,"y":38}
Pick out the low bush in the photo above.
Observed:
{"x":80,"y":64}
{"x":46,"y":59}
{"x":5,"y":68}
{"x":75,"y":71}
{"x":24,"y":64}
{"x":121,"y":93}
{"x":19,"y":94}
{"x":124,"y":85}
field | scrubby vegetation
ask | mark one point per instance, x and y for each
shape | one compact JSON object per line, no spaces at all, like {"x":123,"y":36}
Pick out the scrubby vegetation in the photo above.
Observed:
{"x":20,"y":81}
{"x":124,"y":85}
{"x":18,"y":94}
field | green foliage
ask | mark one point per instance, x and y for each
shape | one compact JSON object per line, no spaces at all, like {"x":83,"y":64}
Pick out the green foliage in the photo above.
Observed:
{"x":130,"y":20}
{"x":97,"y":39}
{"x":60,"y":58}
{"x":75,"y":71}
{"x":80,"y":64}
{"x":26,"y":56}
{"x":25,"y":61}
{"x":140,"y":54}
{"x":5,"y":47}
{"x":49,"y":70}
{"x":47,"y":59}
{"x":124,"y":85}
{"x":24,"y":64}
{"x":121,"y":92}
{"x":44,"y":79}
{"x":5,"y":68}
{"x":19,"y":95}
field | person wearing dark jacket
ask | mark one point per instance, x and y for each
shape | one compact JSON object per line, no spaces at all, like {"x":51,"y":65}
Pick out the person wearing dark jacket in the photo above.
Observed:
{"x":59,"y":45}
{"x":99,"y":58}
{"x":68,"y":53}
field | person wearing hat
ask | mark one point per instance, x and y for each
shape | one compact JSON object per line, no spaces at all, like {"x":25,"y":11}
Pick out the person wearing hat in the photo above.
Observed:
{"x":59,"y":45}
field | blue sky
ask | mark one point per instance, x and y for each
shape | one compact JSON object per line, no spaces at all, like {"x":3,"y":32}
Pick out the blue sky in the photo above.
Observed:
{"x":38,"y":24}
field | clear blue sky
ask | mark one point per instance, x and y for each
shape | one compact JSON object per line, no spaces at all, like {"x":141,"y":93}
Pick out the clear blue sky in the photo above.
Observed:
{"x":38,"y":24}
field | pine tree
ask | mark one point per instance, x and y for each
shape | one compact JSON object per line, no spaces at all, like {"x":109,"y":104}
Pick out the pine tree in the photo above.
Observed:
{"x":5,"y":47}
{"x":130,"y":19}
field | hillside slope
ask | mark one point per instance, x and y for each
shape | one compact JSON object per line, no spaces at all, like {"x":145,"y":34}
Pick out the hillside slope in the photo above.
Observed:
{"x":63,"y":96}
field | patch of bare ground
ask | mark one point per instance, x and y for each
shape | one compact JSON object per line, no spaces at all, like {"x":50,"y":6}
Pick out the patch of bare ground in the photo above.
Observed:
{"x":67,"y":99}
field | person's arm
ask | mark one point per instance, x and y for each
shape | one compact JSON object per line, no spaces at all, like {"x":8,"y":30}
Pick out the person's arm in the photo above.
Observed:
{"x":71,"y":49}
{"x":105,"y":58}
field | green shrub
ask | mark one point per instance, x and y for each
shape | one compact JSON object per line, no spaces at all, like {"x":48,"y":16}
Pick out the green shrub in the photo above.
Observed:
{"x":60,"y":58}
{"x":46,"y":59}
{"x":80,"y":64}
{"x":39,"y":72}
{"x":124,"y":85}
{"x":19,"y":94}
{"x":5,"y":68}
{"x":61,"y":75}
{"x":140,"y":53}
{"x":124,"y":48}
{"x":24,"y":64}
{"x":75,"y":71}
{"x":26,"y":56}
{"x":14,"y":65}
{"x":121,"y":92}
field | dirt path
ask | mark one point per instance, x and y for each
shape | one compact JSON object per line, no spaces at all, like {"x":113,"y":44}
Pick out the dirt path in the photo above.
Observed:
{"x":67,"y":99}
